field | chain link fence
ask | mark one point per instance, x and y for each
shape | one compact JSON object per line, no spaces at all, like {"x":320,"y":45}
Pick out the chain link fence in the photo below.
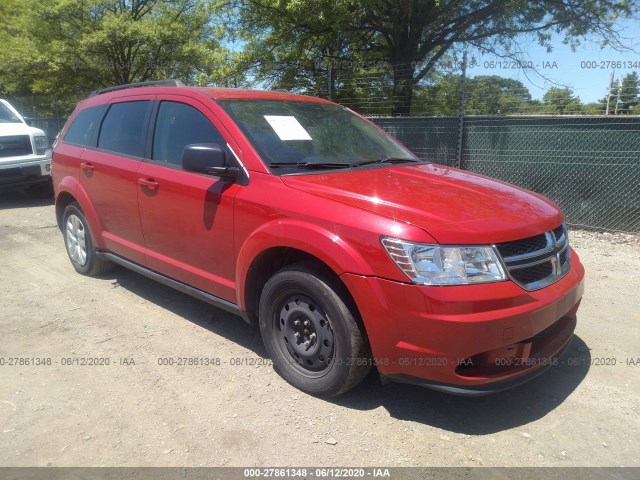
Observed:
{"x":567,"y":150}
{"x":590,"y":166}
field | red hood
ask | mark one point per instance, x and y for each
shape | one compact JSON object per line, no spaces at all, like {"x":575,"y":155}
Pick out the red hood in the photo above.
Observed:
{"x":453,"y":206}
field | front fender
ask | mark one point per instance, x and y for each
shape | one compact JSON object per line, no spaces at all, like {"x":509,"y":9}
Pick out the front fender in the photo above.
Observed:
{"x":313,"y":239}
{"x":73,"y":187}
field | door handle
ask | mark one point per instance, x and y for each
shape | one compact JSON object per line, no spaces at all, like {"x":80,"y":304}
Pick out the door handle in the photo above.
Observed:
{"x":149,"y":183}
{"x":87,"y":166}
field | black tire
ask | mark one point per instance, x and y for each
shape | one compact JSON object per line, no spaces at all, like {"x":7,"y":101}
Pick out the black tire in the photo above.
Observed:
{"x":75,"y":229}
{"x":333,"y":361}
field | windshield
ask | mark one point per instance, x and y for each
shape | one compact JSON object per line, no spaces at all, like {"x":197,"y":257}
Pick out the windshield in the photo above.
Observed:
{"x":295,"y":135}
{"x":7,"y":116}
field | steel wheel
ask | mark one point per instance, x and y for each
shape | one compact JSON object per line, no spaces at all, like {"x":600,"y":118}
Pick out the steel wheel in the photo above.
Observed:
{"x":76,"y":240}
{"x":309,"y":328}
{"x":306,"y":335}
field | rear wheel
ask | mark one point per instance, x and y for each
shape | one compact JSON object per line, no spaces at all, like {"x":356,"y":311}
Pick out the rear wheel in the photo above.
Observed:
{"x":79,"y":243}
{"x":310,"y":331}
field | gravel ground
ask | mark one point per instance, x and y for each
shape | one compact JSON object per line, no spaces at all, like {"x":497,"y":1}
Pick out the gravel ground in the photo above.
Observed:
{"x":135,"y":412}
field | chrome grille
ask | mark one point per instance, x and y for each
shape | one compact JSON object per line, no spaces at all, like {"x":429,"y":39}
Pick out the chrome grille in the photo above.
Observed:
{"x":15,"y":146}
{"x":538,"y":261}
{"x":522,"y":247}
{"x":559,"y":232}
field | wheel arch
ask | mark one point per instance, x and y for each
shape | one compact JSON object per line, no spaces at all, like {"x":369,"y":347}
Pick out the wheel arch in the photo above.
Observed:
{"x":264,"y":266}
{"x":62,"y":201}
{"x":71,"y":191}
{"x":277,"y":245}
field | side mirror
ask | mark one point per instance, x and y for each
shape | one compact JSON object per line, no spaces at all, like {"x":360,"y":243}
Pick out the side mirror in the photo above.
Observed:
{"x":207,"y":158}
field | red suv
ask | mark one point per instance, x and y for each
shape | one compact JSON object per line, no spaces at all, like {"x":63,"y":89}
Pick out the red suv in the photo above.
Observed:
{"x":299,"y":215}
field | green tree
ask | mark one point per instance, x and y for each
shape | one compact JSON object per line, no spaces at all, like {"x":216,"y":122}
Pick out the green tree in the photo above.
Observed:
{"x":496,"y":95}
{"x":441,"y":97}
{"x":625,"y":100}
{"x":411,"y":36}
{"x":71,"y":46}
{"x":485,"y":95}
{"x":561,"y":101}
{"x":593,"y":108}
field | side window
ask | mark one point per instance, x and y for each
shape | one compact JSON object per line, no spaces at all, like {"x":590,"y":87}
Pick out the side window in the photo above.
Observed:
{"x":81,"y":130}
{"x":123,"y":129}
{"x":177,"y":126}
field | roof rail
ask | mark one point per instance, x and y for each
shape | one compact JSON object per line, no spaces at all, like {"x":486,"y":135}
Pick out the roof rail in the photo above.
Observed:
{"x":156,"y":83}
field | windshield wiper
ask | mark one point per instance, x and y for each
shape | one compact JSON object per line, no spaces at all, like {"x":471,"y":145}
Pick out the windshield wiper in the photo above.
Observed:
{"x":388,"y":160}
{"x":313,"y":165}
{"x":310,"y":165}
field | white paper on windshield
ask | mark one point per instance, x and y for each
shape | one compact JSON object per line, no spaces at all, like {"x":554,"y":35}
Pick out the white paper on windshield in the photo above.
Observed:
{"x":287,"y":127}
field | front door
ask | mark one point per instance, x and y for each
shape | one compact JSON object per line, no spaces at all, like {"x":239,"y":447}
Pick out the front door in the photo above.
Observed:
{"x":187,"y":218}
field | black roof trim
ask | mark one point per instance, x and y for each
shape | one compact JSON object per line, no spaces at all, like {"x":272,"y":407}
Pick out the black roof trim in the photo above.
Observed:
{"x":153,"y":83}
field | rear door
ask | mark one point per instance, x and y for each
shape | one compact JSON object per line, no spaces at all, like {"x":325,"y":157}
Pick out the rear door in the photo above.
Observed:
{"x":187,"y":218}
{"x":81,"y":134}
{"x":109,"y":173}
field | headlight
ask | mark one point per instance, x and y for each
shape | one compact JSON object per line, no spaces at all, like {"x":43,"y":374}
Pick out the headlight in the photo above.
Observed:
{"x":440,"y":265}
{"x":41,"y":144}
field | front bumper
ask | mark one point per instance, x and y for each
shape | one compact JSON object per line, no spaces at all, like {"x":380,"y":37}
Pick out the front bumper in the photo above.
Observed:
{"x":478,"y":390}
{"x":26,"y":171}
{"x":472,"y":339}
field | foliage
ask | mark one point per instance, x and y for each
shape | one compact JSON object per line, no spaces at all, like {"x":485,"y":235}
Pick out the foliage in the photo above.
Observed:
{"x":485,"y":94}
{"x":625,"y":100}
{"x":69,"y":47}
{"x":561,"y":101}
{"x":409,"y":36}
{"x":376,"y":56}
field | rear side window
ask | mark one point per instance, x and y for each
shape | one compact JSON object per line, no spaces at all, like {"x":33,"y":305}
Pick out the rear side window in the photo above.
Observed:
{"x":177,"y":126}
{"x":124,"y":128}
{"x":81,"y":130}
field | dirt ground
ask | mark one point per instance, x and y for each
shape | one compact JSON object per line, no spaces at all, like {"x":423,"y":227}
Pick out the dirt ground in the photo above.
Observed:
{"x":135,"y":412}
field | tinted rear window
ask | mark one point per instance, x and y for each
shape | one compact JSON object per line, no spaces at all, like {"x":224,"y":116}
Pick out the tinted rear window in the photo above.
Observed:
{"x":81,"y":130}
{"x":124,"y":128}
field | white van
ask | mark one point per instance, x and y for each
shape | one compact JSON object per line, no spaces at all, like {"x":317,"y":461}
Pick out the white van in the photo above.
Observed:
{"x":25,"y":153}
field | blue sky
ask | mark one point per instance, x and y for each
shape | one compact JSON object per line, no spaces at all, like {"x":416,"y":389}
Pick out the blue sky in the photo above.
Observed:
{"x":572,"y":69}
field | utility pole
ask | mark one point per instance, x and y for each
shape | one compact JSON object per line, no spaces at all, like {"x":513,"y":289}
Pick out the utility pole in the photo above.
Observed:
{"x":609,"y":92}
{"x":618,"y":99}
{"x":463,"y":84}
{"x":329,"y":83}
{"x":57,"y":112}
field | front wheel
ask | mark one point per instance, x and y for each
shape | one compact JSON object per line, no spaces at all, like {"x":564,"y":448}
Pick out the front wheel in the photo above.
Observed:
{"x":310,"y":332}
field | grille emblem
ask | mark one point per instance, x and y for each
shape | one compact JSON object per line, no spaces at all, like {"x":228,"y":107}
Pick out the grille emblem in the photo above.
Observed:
{"x":555,"y":264}
{"x":538,"y":261}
